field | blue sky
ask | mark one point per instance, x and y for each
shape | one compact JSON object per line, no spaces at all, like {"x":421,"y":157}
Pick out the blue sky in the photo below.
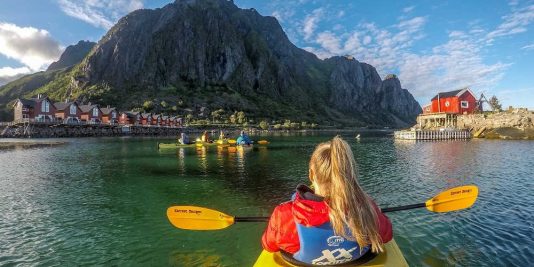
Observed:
{"x":431,"y":45}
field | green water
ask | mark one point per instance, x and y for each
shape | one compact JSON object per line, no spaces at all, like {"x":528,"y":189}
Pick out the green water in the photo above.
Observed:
{"x":103,"y":201}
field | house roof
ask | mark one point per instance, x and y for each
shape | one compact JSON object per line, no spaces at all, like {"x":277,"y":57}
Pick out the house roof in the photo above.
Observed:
{"x":107,"y":111}
{"x":27,"y":102}
{"x":452,"y":93}
{"x":63,"y":105}
{"x":87,"y":108}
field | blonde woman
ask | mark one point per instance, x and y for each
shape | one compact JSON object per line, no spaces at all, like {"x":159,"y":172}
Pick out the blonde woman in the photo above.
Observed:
{"x":337,"y":223}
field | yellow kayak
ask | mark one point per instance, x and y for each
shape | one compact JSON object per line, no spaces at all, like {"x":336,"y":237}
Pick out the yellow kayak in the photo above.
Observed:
{"x":391,"y":257}
{"x":197,"y":144}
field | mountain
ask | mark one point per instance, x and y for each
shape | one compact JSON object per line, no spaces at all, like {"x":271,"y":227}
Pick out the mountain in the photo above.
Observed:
{"x":72,"y":55}
{"x":210,"y":53}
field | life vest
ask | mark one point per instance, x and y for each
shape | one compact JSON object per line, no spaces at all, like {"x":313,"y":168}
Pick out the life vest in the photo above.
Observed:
{"x":319,"y":245}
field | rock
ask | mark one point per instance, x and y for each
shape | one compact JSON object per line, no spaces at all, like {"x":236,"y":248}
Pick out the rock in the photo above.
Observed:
{"x":72,"y":55}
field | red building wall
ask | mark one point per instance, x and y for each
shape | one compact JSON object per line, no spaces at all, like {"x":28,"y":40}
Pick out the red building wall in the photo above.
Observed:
{"x":453,"y":104}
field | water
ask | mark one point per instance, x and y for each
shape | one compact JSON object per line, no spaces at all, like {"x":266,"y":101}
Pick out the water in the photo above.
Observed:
{"x":103,"y":201}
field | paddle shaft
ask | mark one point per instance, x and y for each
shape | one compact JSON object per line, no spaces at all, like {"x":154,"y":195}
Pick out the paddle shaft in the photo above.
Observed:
{"x":264,"y":219}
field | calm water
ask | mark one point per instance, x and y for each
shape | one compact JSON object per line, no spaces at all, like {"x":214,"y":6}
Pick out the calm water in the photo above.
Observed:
{"x":103,"y":201}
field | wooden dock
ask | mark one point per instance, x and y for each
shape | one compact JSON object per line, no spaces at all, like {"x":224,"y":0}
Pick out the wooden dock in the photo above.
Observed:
{"x":433,"y":135}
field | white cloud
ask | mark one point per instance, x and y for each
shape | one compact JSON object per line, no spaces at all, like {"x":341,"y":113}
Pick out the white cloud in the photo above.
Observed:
{"x":408,"y":9}
{"x":513,"y":23}
{"x":35,"y":48}
{"x":310,"y":23}
{"x":453,"y":64}
{"x":8,"y":74}
{"x":528,"y":47}
{"x":99,"y":13}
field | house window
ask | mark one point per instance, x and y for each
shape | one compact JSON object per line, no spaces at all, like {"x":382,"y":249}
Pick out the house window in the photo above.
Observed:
{"x":464,"y":104}
{"x":95,"y":112}
{"x":72,"y":109}
{"x":45,"y":106}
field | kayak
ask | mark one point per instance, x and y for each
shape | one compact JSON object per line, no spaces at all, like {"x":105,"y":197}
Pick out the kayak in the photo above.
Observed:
{"x":391,"y":257}
{"x":198,"y":144}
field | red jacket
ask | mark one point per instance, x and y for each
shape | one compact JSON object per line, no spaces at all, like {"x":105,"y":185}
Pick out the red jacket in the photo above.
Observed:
{"x":307,"y":209}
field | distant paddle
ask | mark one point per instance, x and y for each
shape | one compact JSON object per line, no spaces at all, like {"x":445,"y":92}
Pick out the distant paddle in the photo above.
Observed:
{"x":199,"y":218}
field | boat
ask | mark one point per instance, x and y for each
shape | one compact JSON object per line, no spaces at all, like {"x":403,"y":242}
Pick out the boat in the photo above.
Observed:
{"x":391,"y":257}
{"x":197,"y":144}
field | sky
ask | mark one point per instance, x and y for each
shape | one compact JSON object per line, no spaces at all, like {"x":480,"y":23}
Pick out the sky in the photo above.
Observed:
{"x":432,"y":46}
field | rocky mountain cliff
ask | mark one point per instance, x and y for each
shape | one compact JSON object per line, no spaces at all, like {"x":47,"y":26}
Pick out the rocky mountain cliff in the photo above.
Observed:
{"x":212,"y":53}
{"x":72,"y":55}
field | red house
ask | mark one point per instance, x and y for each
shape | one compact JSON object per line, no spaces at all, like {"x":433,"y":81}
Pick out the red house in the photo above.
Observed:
{"x":110,"y":115}
{"x":39,"y":109}
{"x":91,"y":113}
{"x":455,"y":102}
{"x":146,"y":119}
{"x":130,"y":118}
{"x":156,"y":119}
{"x":68,"y":112}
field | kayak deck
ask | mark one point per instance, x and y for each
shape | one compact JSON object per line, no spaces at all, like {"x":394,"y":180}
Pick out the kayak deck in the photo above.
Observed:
{"x":391,"y":257}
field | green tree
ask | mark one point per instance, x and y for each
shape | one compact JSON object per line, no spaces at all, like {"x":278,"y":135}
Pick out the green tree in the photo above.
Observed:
{"x":233,"y":118}
{"x":495,"y":104}
{"x":163,"y":104}
{"x":264,"y":125}
{"x":241,"y":118}
{"x":148,"y":105}
{"x":217,"y":114}
{"x":304,"y":125}
{"x":188,"y":118}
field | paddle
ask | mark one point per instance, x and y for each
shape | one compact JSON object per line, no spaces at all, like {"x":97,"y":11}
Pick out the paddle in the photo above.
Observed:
{"x":199,"y":218}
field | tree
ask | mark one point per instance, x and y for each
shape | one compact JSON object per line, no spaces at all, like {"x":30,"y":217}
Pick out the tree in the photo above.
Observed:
{"x":494,"y":103}
{"x":217,"y":114}
{"x":188,"y":118}
{"x":264,"y":125}
{"x":241,"y":117}
{"x":233,"y":118}
{"x":148,"y":105}
{"x":164,"y":104}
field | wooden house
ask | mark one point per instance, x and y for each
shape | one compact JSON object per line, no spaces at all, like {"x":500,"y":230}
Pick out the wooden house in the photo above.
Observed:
{"x":110,"y":115}
{"x":452,"y":102}
{"x":130,"y":118}
{"x":91,"y":113}
{"x":156,"y":119}
{"x":68,"y":112}
{"x":146,"y":119}
{"x":40,"y":109}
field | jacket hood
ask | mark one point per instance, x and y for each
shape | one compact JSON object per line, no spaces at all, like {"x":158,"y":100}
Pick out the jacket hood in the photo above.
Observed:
{"x":308,"y":208}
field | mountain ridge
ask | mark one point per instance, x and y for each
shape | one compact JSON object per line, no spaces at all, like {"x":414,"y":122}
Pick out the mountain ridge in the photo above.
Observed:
{"x":211,"y":53}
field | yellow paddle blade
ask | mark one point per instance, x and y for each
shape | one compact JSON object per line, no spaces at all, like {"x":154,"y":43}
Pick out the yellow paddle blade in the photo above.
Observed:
{"x":198,"y":218}
{"x":263,"y":142}
{"x":231,"y":141}
{"x":457,"y":198}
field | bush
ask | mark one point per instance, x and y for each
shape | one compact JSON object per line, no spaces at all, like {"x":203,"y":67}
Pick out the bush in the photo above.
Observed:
{"x":264,"y":125}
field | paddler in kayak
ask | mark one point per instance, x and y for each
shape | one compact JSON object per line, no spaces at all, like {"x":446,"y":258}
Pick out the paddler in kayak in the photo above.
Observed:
{"x":334,"y":223}
{"x":183,"y":139}
{"x":222,"y":138}
{"x":243,"y":139}
{"x":205,"y":137}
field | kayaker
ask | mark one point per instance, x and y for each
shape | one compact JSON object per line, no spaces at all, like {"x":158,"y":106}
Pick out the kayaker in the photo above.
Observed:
{"x":336,"y":221}
{"x":243,"y":139}
{"x":184,"y":139}
{"x":205,"y":137}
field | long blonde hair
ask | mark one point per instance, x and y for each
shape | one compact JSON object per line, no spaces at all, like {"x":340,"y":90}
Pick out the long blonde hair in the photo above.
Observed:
{"x":334,"y":176}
